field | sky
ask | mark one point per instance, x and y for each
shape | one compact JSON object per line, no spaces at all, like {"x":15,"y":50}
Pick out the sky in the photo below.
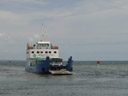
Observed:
{"x":88,"y":30}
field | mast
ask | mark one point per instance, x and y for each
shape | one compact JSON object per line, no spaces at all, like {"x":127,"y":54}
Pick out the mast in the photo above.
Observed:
{"x":43,"y":33}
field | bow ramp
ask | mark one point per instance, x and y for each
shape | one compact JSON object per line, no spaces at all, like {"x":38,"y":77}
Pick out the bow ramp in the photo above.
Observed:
{"x":60,"y":72}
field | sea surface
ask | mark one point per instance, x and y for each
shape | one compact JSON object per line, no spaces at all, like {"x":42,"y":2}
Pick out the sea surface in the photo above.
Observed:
{"x":109,"y":79}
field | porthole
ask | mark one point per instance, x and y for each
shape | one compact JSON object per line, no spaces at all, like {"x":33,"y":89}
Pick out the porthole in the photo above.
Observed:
{"x":55,"y":52}
{"x":49,"y":51}
{"x":32,"y":51}
{"x":38,"y":52}
{"x":41,"y":51}
{"x":46,"y":52}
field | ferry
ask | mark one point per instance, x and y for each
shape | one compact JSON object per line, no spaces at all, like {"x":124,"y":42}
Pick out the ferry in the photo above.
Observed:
{"x":42,"y":57}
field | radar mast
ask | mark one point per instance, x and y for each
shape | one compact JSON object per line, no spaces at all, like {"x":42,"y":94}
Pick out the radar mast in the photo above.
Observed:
{"x":43,"y":32}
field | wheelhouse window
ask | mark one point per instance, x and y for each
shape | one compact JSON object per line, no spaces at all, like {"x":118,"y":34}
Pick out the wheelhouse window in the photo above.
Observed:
{"x":43,"y":46}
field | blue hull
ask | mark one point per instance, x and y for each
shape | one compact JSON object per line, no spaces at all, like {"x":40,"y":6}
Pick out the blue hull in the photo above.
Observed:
{"x":44,"y":67}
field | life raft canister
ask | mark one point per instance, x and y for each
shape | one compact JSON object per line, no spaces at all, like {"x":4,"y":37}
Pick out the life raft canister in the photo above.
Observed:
{"x":55,"y":47}
{"x":30,"y":47}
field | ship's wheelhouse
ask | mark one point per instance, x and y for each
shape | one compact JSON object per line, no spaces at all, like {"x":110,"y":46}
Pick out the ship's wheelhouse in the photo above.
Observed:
{"x":43,"y":45}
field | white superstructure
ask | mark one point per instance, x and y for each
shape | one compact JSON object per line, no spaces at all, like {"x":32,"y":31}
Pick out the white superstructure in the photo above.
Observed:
{"x":42,"y":49}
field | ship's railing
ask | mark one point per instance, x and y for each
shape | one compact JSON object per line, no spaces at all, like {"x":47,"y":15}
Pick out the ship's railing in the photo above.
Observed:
{"x":35,"y":47}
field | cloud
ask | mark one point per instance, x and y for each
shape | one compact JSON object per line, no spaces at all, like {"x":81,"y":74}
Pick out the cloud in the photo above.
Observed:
{"x":41,"y":2}
{"x":85,"y":25}
{"x":8,"y":17}
{"x":100,"y":6}
{"x":1,"y":35}
{"x":25,"y":18}
{"x":38,"y":2}
{"x":5,"y":38}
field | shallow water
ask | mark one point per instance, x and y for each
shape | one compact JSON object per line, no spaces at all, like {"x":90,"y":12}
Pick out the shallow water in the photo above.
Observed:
{"x":110,"y":79}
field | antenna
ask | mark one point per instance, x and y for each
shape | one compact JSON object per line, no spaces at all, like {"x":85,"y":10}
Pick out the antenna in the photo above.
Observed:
{"x":44,"y":32}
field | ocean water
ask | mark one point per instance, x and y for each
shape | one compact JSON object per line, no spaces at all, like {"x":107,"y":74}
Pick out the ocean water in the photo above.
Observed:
{"x":109,"y":79}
